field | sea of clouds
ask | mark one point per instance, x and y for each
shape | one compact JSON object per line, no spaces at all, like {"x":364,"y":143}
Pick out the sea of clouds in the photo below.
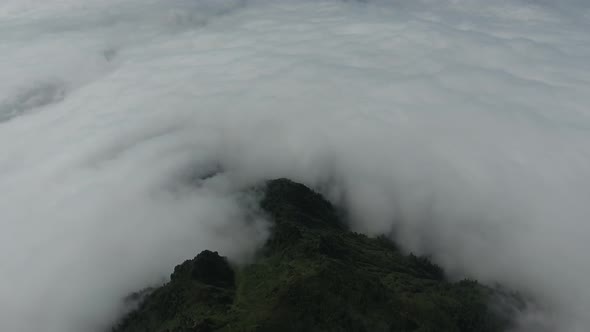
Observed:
{"x":129,"y":130}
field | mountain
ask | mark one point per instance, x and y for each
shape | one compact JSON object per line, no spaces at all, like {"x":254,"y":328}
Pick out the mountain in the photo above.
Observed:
{"x":314,"y":275}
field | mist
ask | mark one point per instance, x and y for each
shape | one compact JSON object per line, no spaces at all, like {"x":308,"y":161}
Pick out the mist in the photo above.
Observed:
{"x":130,"y":131}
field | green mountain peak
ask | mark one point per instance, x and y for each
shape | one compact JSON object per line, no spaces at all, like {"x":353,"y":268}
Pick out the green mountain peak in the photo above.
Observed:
{"x":315,"y":275}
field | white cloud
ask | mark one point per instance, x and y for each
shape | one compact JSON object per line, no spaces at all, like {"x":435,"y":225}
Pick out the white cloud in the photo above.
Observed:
{"x":462,"y":125}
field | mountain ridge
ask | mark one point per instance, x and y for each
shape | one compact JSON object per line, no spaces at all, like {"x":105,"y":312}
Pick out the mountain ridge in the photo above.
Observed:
{"x":313,"y":274}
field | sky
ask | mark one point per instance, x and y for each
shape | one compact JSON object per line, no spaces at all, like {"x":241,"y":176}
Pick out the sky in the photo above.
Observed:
{"x":131,"y":130}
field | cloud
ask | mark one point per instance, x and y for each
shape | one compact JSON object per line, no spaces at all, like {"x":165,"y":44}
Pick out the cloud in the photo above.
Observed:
{"x":459,"y":127}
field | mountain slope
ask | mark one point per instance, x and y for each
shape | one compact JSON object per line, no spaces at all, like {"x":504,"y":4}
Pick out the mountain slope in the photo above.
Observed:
{"x":314,"y":275}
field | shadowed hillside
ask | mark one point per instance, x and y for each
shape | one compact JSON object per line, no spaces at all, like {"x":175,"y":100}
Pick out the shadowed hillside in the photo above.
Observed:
{"x":314,"y":275}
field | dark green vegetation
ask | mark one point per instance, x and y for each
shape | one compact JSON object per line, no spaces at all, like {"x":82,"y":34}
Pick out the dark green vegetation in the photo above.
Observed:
{"x":314,"y":275}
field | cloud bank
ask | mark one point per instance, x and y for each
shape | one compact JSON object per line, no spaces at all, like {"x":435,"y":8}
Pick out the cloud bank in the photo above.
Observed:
{"x":461,"y":128}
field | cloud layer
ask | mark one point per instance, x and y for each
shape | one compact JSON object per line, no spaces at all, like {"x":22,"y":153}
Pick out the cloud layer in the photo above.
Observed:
{"x":461,"y":128}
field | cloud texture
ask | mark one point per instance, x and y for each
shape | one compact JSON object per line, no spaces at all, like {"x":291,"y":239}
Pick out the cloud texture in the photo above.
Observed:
{"x":460,"y":127}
